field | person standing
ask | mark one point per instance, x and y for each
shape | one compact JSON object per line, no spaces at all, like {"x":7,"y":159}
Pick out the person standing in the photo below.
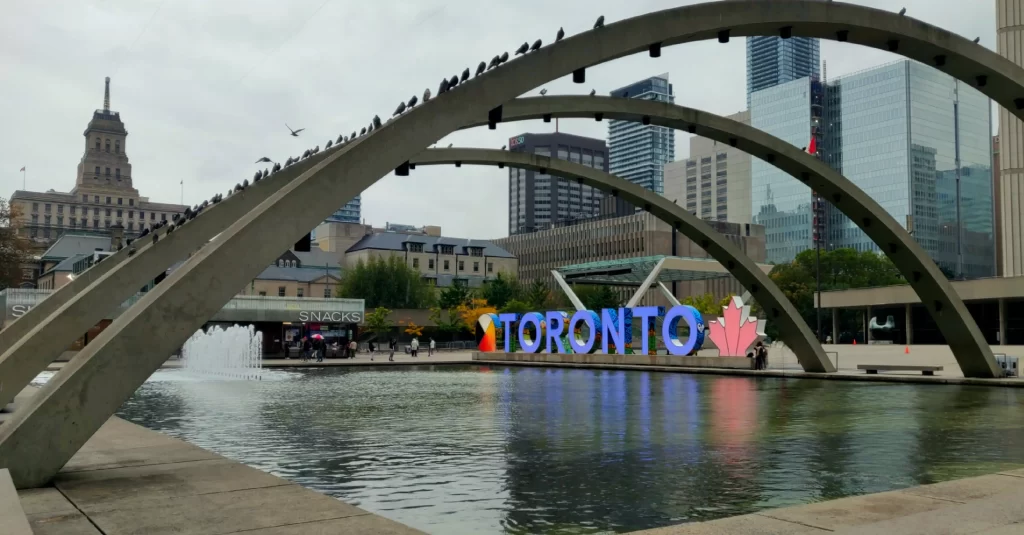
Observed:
{"x":352,"y":347}
{"x":307,"y":348}
{"x":286,"y":344}
{"x":318,"y":349}
{"x":392,"y":345}
{"x":431,"y":347}
{"x":414,"y":346}
{"x":760,"y":357}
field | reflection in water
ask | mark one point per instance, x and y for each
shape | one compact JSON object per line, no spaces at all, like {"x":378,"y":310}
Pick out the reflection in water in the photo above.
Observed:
{"x":532,"y":450}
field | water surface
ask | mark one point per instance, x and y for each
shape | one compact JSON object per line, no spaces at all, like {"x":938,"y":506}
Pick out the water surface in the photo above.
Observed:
{"x":453,"y":450}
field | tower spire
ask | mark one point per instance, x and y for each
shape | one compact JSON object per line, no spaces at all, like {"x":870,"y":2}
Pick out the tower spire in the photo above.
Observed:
{"x":106,"y":96}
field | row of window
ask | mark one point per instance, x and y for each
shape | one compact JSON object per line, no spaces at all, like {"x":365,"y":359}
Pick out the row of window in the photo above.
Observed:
{"x":117,"y":145}
{"x":73,"y":209}
{"x":447,"y":265}
{"x":117,"y":172}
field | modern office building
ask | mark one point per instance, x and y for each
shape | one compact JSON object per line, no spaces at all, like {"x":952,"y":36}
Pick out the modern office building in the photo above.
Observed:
{"x":919,"y":142}
{"x":538,"y":201}
{"x":714,"y":182}
{"x":785,"y":206}
{"x":773,"y":60}
{"x":638,"y":153}
{"x":639,"y":235}
{"x":352,"y":212}
{"x":104,"y":195}
{"x":1009,"y":36}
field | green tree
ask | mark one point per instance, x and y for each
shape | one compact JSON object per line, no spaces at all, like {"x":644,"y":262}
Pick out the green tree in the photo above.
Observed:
{"x":446,"y":321}
{"x":453,"y":296}
{"x":386,"y":283}
{"x":499,"y":291}
{"x":596,"y":296}
{"x":14,"y":249}
{"x":537,"y":295}
{"x":841,"y":269}
{"x":706,"y":304}
{"x":379,"y":322}
{"x":516,"y":306}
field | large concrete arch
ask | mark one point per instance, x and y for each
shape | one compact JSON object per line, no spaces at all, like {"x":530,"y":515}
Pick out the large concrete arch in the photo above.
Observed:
{"x":34,"y":340}
{"x":87,"y":391}
{"x":795,"y":331}
{"x":947,"y":309}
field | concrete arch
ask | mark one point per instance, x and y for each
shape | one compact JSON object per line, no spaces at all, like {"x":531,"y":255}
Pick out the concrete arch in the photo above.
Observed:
{"x":795,"y":332}
{"x":107,"y":371}
{"x":947,"y":309}
{"x":38,"y":337}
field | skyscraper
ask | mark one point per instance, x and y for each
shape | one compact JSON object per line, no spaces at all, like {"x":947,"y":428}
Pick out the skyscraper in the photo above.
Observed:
{"x":638,"y":153}
{"x":350,"y":213}
{"x":773,"y":60}
{"x":540,"y":201}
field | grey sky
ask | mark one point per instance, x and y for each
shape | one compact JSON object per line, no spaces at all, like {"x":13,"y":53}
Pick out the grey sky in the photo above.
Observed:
{"x":205,"y":87}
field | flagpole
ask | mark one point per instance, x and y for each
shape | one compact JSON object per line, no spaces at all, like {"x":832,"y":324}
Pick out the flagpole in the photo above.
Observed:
{"x":23,"y":181}
{"x":182,"y":183}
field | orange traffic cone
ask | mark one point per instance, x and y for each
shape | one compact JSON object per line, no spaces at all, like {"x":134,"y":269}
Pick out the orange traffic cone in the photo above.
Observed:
{"x":854,"y":341}
{"x":906,"y":351}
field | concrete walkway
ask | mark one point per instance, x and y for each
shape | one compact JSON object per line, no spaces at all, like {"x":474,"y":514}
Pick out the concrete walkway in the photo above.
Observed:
{"x":130,"y":480}
{"x":362,"y":359}
{"x":990,"y":505}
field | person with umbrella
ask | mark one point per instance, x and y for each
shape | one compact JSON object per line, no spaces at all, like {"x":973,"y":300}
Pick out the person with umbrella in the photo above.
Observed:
{"x":318,"y":347}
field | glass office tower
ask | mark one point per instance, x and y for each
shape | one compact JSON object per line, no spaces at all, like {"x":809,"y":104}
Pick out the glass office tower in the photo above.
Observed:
{"x":791,"y":111}
{"x":636,"y":152}
{"x":919,"y":142}
{"x":772,"y":61}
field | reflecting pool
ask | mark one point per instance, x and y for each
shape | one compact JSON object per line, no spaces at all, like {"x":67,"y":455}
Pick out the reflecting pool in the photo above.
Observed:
{"x":473,"y":450}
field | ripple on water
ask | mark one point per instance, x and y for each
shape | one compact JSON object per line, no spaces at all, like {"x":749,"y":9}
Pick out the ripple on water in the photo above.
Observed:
{"x":526,"y":450}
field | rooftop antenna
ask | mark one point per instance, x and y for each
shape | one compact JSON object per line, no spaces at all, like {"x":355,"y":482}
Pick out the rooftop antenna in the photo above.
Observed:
{"x":106,"y":96}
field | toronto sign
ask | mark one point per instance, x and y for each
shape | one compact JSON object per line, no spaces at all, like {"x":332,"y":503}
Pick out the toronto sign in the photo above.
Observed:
{"x":611,"y":330}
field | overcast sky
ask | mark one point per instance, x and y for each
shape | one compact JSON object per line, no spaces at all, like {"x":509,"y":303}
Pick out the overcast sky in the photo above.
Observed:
{"x":204,"y":87}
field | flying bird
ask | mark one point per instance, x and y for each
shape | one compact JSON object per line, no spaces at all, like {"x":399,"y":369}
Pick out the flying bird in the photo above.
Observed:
{"x":536,"y":46}
{"x":481,"y":68}
{"x":903,"y":12}
{"x":412,"y":102}
{"x":465,"y":76}
{"x":295,"y":133}
{"x":264,"y":159}
{"x":559,"y":35}
{"x":593,"y":92}
{"x":599,"y":23}
{"x":522,"y":48}
{"x":399,"y":109}
{"x":543,"y":92}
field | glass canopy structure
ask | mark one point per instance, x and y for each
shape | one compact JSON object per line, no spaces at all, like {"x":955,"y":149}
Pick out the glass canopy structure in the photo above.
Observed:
{"x":634,"y":271}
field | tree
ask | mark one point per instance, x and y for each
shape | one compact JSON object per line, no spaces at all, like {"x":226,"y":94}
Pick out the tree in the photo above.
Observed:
{"x":14,"y":249}
{"x":447,"y":321}
{"x":414,"y":330}
{"x":501,"y":290}
{"x":537,"y":295}
{"x":453,"y":296}
{"x":378,"y":322}
{"x":386,"y":283}
{"x":470,"y":312}
{"x":841,"y":269}
{"x":706,"y":304}
{"x":597,"y":296}
{"x":516,"y":306}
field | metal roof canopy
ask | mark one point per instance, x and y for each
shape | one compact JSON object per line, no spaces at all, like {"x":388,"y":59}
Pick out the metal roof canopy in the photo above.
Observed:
{"x":634,"y":271}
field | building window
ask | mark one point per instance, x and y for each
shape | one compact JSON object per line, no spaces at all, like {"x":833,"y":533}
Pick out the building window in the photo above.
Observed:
{"x":131,"y":214}
{"x":108,"y":212}
{"x":416,"y":263}
{"x":60,"y":221}
{"x":131,"y":202}
{"x":476,"y":267}
{"x":106,"y":223}
{"x":97,"y":146}
{"x":108,"y":200}
{"x":446,"y":265}
{"x":108,"y":171}
{"x":280,"y":291}
{"x":108,"y":146}
{"x":118,"y":213}
{"x":35,"y":218}
{"x":73,"y":209}
{"x":120,"y":200}
{"x":131,"y":226}
{"x":163,"y":217}
{"x":85,"y":198}
{"x":96,"y":198}
{"x":327,"y":292}
{"x":72,"y":222}
{"x":95,"y":223}
{"x":97,"y":170}
{"x":142,"y":215}
{"x":152,"y":216}
{"x":60,"y":208}
{"x":462,"y":265}
{"x":46,"y":208}
{"x":299,"y":292}
{"x":430,"y":263}
{"x":35,"y":207}
{"x":117,"y":146}
{"x":46,"y":220}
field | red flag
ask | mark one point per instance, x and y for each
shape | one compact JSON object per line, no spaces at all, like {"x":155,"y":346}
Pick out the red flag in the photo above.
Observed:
{"x":20,"y":170}
{"x":813,"y":147}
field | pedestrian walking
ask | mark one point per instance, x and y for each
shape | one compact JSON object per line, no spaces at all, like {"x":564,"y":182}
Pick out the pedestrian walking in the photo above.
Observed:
{"x":319,"y":347}
{"x":392,"y":345}
{"x":431,"y":347}
{"x":352,"y":347}
{"x":414,"y":346}
{"x":307,"y":348}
